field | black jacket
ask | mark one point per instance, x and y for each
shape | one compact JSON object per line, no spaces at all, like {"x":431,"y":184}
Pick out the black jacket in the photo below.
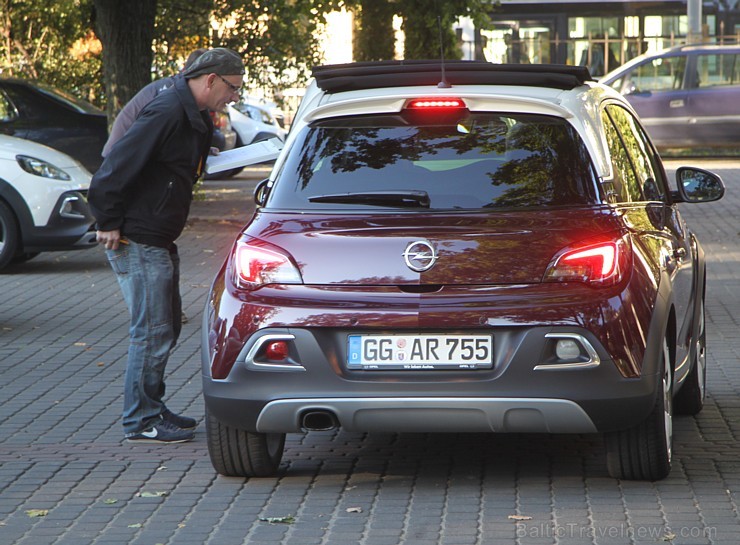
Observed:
{"x":145,"y":185}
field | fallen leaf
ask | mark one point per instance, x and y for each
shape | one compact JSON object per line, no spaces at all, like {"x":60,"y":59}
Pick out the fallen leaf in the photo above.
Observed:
{"x":669,"y":536}
{"x":354,"y":510}
{"x":158,"y":494}
{"x":101,"y":363}
{"x":181,"y":525}
{"x":519,"y":517}
{"x":110,"y":501}
{"x":137,"y":525}
{"x":288,"y":519}
{"x":33,"y":513}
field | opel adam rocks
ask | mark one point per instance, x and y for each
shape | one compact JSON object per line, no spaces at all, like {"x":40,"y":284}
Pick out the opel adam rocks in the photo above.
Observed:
{"x":488,"y":248}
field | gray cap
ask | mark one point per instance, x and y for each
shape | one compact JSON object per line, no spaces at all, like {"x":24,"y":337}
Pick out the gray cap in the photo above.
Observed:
{"x":218,"y":60}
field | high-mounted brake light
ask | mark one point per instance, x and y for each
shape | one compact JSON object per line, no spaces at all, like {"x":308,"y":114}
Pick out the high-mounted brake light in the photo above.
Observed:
{"x":255,"y":266}
{"x":434,"y":103}
{"x":602,"y":263}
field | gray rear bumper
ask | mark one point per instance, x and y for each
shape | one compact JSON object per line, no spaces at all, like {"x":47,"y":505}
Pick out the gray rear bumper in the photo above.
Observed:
{"x":413,"y":414}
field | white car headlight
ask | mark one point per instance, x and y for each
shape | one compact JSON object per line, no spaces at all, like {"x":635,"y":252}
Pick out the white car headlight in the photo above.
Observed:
{"x":39,"y":167}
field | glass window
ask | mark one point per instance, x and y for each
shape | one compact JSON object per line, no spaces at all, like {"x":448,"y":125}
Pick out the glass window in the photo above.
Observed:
{"x":623,"y":174}
{"x":662,"y":74}
{"x":443,"y":161}
{"x":647,"y":184}
{"x":7,"y":110}
{"x":68,"y":99}
{"x":716,"y":70}
{"x":599,"y":49}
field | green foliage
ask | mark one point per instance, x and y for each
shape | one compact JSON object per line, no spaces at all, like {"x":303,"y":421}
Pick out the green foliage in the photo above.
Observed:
{"x":51,"y":41}
{"x":277,"y":38}
{"x":420,"y":24}
{"x":422,"y":20}
{"x":374,"y":38}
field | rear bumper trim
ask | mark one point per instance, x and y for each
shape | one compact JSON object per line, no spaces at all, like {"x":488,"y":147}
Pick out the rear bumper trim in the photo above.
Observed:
{"x":415,"y":414}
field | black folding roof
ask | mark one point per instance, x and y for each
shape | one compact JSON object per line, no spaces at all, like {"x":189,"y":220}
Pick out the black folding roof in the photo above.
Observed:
{"x":336,"y":78}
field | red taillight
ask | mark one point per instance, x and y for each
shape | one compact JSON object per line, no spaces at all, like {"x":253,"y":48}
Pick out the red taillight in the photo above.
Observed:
{"x":434,"y":103}
{"x":255,"y":266}
{"x":601,"y":263}
{"x":277,"y":351}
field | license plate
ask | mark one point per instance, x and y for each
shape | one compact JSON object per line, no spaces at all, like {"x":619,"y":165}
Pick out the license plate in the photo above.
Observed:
{"x":420,"y":352}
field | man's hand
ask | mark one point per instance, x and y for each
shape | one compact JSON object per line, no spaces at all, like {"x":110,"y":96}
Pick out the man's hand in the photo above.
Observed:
{"x":111,"y":239}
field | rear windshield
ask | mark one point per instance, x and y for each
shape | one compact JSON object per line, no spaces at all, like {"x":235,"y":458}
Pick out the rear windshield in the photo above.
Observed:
{"x":461,"y":160}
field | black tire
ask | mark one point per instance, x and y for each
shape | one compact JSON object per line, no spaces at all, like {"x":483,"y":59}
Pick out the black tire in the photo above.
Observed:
{"x":644,"y":451}
{"x":9,"y":235}
{"x":690,"y":398}
{"x":239,"y":453}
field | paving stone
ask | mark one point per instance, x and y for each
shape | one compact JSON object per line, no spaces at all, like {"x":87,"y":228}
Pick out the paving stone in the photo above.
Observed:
{"x":63,"y":349}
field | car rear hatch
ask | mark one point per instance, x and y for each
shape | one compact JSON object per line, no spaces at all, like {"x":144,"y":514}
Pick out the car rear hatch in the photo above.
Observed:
{"x":481,"y":248}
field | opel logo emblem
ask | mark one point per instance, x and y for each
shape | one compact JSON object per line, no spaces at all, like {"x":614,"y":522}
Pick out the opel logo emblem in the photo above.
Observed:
{"x":420,"y":256}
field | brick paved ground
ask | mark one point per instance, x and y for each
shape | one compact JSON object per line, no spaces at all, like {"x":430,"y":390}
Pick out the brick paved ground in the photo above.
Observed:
{"x":62,"y":354}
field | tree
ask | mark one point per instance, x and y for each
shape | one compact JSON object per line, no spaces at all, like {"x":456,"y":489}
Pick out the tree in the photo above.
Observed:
{"x":51,"y":41}
{"x":374,"y":38}
{"x":111,"y":48}
{"x":277,"y":38}
{"x":427,"y":24}
{"x":126,"y":30}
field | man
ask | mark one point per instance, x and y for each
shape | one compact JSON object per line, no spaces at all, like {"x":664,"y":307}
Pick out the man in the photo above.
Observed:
{"x":140,"y":198}
{"x":130,"y":111}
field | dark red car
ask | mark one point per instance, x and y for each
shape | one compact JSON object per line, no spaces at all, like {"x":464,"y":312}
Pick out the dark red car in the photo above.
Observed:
{"x":501,"y":254}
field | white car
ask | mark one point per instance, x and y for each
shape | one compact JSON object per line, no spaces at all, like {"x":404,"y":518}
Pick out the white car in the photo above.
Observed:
{"x":43,"y":203}
{"x":254,"y":123}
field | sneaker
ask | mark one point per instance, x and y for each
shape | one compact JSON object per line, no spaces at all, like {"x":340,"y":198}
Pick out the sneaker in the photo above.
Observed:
{"x":182,"y":422}
{"x":161,"y":432}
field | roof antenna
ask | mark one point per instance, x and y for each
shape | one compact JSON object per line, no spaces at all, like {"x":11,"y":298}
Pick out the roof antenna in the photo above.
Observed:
{"x":443,"y":84}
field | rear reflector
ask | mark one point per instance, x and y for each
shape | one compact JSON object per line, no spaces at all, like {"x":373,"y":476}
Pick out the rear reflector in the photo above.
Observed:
{"x":434,"y":103}
{"x":277,"y":351}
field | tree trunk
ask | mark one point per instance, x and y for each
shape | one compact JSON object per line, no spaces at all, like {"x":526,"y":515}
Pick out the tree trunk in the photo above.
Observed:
{"x":126,"y":30}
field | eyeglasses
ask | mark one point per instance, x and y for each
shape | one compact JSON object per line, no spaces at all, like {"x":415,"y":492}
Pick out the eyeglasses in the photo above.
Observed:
{"x":234,"y":89}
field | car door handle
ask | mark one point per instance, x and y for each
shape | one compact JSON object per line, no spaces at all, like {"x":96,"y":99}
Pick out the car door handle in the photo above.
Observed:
{"x":678,"y":103}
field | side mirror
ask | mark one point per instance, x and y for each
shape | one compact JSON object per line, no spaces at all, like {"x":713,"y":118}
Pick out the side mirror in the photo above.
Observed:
{"x":261,"y":192}
{"x":698,"y":185}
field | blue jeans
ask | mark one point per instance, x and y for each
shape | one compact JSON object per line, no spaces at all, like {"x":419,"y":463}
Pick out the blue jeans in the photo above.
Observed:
{"x":149,"y":278}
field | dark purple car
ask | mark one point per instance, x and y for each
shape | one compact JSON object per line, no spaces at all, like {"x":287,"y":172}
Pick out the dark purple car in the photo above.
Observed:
{"x":502,"y":255}
{"x":687,"y":96}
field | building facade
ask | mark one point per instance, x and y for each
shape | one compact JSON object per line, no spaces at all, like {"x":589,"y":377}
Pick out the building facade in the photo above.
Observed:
{"x":601,"y":35}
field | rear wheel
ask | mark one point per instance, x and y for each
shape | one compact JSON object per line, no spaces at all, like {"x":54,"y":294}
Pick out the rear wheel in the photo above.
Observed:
{"x":239,"y":453}
{"x":9,"y":235}
{"x":644,"y":451}
{"x":690,"y":398}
